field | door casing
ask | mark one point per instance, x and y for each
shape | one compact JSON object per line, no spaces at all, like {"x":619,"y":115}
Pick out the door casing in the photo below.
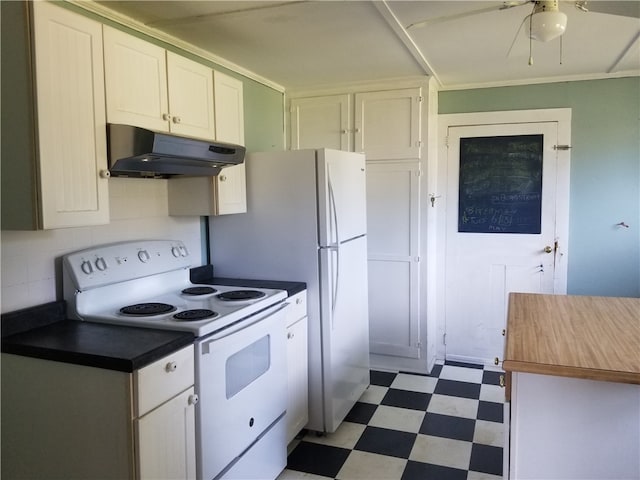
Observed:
{"x":562,"y":116}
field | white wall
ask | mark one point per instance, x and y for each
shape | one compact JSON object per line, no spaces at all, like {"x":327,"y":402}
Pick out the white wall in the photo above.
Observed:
{"x":31,"y":261}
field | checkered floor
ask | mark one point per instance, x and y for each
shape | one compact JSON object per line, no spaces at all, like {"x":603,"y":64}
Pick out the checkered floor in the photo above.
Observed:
{"x":445,"y":426}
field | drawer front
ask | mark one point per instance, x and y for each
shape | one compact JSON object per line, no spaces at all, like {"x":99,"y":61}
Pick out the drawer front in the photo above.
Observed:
{"x":163,"y":379}
{"x":298,"y":308}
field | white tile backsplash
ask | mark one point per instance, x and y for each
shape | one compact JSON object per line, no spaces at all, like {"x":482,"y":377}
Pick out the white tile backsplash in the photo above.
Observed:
{"x":30,"y":261}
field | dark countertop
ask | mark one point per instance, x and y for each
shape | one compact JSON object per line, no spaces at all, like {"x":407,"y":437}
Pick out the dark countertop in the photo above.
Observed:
{"x":111,"y":347}
{"x":204,"y":275}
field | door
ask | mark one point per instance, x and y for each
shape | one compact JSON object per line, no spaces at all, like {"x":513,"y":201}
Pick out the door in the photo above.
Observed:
{"x":345,"y":328}
{"x":388,"y":124}
{"x":235,"y":368}
{"x":341,"y":196}
{"x":393,"y":223}
{"x":501,"y":233}
{"x":321,"y":122}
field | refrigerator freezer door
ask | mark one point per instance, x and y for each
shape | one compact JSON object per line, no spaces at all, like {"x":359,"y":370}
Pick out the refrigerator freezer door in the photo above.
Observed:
{"x":345,"y":328}
{"x":341,"y":196}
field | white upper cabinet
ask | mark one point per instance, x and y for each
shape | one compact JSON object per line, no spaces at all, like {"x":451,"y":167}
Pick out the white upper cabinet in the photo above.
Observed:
{"x":70,"y":130}
{"x":151,"y":88}
{"x":387,"y":124}
{"x":231,"y":184}
{"x":321,"y":122}
{"x":225,"y":193}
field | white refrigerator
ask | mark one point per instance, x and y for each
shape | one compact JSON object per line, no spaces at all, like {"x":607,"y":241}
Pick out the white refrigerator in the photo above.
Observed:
{"x":306,"y":221}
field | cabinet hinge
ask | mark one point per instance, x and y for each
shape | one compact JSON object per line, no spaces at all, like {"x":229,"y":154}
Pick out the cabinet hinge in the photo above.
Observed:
{"x":418,"y":173}
{"x":420,"y":98}
{"x":419,"y":143}
{"x":444,"y":338}
{"x":446,"y":141}
{"x":417,"y":259}
{"x":419,"y":344}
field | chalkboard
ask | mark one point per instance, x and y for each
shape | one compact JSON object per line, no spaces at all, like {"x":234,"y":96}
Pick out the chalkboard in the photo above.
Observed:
{"x":500,"y":188}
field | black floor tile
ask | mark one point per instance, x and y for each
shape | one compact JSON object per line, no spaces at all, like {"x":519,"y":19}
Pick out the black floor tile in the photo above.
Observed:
{"x":491,"y":411}
{"x":491,"y":378}
{"x":384,"y":379}
{"x":486,"y":459}
{"x":361,"y":413}
{"x":457,"y":428}
{"x":427,"y":471}
{"x":406,"y":399}
{"x":435,"y":371}
{"x":458,"y":389}
{"x":463,"y":364}
{"x":318,"y":459}
{"x":386,"y":442}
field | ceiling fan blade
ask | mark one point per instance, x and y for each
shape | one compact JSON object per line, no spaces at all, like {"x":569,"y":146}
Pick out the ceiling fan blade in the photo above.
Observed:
{"x":469,"y":13}
{"x":625,"y":8}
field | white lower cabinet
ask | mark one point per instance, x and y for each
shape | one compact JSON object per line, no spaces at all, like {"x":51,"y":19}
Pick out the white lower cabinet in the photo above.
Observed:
{"x":67,"y":421}
{"x":297,"y":366}
{"x":572,"y":429}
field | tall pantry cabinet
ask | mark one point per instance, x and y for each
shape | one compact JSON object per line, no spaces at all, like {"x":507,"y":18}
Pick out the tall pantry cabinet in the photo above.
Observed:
{"x":54,"y":162}
{"x":387,"y":124}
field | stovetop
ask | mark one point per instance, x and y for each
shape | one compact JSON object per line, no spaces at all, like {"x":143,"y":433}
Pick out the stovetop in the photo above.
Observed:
{"x":115,"y":284}
{"x":187,"y":308}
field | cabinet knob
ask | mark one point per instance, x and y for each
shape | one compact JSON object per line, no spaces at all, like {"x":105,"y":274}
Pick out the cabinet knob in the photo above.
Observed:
{"x":171,"y":367}
{"x":298,"y":301}
{"x":496,"y":361}
{"x":222,"y":178}
{"x":193,"y":399}
{"x":176,"y":119}
{"x":290,"y":335}
{"x":166,"y":117}
{"x":502,"y":381}
{"x":105,"y":173}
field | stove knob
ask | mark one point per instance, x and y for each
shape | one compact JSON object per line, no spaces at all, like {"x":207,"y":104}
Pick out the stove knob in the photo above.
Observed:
{"x":86,"y":267}
{"x":144,"y":256}
{"x":101,"y":264}
{"x":175,"y":251}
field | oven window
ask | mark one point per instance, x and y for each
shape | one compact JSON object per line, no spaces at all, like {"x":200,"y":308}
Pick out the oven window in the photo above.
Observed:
{"x":245,"y":366}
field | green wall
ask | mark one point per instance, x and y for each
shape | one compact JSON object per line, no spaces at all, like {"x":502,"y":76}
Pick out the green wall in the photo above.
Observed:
{"x":604,"y":259}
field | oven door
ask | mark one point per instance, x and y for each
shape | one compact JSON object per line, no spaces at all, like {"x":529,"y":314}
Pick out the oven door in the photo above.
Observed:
{"x":242,"y":385}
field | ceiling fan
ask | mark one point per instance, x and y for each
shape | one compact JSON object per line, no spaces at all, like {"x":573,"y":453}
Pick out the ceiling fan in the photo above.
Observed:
{"x":546,"y":21}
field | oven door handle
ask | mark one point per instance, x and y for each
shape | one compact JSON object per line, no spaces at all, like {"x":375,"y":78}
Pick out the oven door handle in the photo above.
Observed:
{"x":241,"y":325}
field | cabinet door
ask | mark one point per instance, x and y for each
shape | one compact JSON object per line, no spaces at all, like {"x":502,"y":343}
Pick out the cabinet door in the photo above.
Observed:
{"x":321,"y":122}
{"x":165,"y":440}
{"x":387,"y":124}
{"x":297,"y":376}
{"x":393,"y":226}
{"x":190,"y":86}
{"x":71,"y":118}
{"x":230,"y":184}
{"x":135,"y":81}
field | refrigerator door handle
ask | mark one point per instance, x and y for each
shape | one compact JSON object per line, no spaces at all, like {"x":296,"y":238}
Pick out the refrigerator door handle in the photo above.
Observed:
{"x":333,"y":210}
{"x":335,"y":278}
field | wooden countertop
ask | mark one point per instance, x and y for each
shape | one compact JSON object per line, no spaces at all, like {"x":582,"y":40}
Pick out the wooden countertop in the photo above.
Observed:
{"x":595,"y":338}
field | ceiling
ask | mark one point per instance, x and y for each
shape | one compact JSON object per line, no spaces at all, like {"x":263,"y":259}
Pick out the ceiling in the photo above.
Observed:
{"x":300,"y":45}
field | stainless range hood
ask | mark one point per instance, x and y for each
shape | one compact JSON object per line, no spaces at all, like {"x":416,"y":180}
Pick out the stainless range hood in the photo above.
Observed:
{"x":137,"y":152}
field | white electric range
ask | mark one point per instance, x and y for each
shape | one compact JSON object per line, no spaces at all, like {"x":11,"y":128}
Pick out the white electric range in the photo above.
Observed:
{"x":240,"y":345}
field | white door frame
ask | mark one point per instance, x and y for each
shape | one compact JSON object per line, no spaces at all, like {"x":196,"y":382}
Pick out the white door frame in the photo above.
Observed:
{"x":560,"y":115}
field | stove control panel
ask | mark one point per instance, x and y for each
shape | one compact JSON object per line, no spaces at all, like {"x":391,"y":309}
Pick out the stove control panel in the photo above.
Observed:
{"x":119,"y":262}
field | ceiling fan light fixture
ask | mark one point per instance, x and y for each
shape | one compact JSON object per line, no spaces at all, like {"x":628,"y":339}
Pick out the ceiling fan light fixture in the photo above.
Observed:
{"x":545,"y":25}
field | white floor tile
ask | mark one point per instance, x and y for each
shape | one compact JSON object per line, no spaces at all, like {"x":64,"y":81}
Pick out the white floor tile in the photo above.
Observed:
{"x":489,"y":433}
{"x":373,"y":394}
{"x":453,"y":406}
{"x":346,"y":436}
{"x":367,"y":466}
{"x":293,"y":475}
{"x":415,"y":383}
{"x":492,"y":393}
{"x":461,"y":374}
{"x":395,"y":418}
{"x":441,"y":451}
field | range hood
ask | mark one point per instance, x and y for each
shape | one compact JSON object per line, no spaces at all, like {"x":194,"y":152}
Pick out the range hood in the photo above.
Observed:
{"x":137,"y":152}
